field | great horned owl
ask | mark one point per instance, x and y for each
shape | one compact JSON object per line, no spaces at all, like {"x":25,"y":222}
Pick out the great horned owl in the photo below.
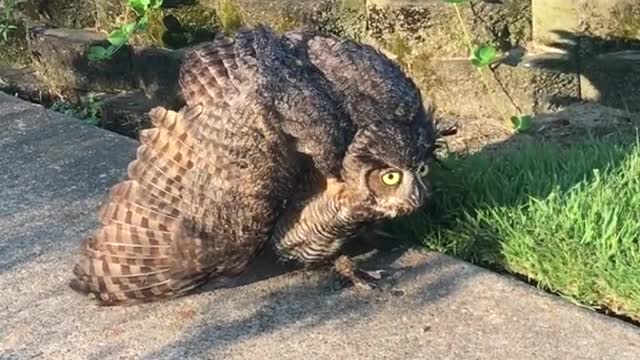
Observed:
{"x":300,"y":139}
{"x":384,"y":172}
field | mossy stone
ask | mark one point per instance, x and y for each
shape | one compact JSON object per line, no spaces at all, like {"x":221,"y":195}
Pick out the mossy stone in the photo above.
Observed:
{"x":341,"y":17}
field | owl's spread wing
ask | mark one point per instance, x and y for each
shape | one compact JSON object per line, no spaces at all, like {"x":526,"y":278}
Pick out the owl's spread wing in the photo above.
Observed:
{"x":138,"y":251}
{"x":204,"y":191}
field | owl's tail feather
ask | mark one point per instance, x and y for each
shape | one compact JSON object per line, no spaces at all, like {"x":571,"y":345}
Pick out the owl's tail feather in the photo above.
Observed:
{"x":134,"y":255}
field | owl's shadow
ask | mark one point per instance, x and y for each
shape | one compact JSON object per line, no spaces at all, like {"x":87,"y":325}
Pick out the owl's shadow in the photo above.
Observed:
{"x":370,"y":251}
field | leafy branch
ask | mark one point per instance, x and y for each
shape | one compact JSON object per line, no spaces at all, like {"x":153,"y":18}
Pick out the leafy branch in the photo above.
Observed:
{"x":120,"y":37}
{"x":482,"y":57}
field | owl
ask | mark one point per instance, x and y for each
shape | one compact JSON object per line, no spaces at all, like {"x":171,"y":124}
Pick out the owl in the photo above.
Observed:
{"x":300,"y":140}
{"x":384,"y":172}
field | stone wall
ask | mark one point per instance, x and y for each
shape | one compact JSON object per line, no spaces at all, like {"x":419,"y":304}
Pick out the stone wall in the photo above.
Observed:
{"x":556,"y":51}
{"x":544,"y":72}
{"x":427,"y":38}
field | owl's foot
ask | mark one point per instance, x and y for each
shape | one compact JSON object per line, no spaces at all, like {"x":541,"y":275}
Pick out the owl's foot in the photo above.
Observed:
{"x":347,"y":271}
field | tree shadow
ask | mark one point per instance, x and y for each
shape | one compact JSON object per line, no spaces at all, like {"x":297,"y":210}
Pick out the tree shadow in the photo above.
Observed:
{"x":310,"y":303}
{"x":608,"y":68}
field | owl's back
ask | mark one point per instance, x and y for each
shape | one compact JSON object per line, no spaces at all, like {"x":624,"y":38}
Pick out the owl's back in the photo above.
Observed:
{"x":383,"y":102}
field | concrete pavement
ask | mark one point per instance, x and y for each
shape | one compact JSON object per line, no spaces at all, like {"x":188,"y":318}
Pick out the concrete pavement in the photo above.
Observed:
{"x":54,"y":173}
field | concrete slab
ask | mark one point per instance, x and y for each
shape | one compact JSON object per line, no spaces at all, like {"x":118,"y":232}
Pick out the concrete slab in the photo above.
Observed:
{"x":55,"y":172}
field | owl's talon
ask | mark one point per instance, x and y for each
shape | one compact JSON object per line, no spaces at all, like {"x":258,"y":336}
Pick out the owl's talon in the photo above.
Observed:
{"x":348,"y":272}
{"x":342,"y":282}
{"x":364,"y":285}
{"x":374,"y":274}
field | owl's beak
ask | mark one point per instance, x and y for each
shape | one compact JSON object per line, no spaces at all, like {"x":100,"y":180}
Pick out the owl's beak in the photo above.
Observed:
{"x":419,"y":194}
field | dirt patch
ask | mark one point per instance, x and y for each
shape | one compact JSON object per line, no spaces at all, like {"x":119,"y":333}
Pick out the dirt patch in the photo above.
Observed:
{"x":572,"y":124}
{"x":474,"y":134}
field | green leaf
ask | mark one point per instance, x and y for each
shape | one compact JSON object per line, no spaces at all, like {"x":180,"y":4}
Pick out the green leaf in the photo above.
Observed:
{"x":139,"y":6}
{"x":454,"y":2}
{"x":117,"y":37}
{"x":120,"y":36}
{"x":112,"y":50}
{"x":129,"y":28}
{"x":97,"y":53}
{"x":143,"y":23}
{"x":155,"y":4}
{"x":484,"y":55}
{"x":521,"y":123}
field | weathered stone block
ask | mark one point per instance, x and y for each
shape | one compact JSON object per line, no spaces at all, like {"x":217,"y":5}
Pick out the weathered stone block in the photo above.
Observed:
{"x":427,"y":38}
{"x":156,"y":72}
{"x":433,"y":26}
{"x":461,"y":90}
{"x":613,"y":79}
{"x":60,"y":60}
{"x":24,"y":84}
{"x":458,"y":89}
{"x":62,"y":64}
{"x":609,"y":18}
{"x":609,"y":48}
{"x":552,"y":15}
{"x":597,"y":35}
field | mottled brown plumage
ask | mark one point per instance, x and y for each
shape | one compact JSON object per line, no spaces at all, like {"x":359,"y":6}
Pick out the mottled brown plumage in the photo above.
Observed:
{"x":284,"y":139}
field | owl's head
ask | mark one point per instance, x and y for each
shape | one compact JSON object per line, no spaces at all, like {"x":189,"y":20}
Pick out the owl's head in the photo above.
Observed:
{"x":386,"y":169}
{"x":386,"y":165}
{"x":386,"y":190}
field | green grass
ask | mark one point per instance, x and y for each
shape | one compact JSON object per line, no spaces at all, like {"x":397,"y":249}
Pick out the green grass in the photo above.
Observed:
{"x":566,"y":217}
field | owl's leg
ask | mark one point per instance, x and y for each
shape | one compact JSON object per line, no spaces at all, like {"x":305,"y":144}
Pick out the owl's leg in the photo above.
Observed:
{"x":314,"y":231}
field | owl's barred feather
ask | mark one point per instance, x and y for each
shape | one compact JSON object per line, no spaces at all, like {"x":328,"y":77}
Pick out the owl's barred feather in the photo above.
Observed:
{"x":315,"y":227}
{"x":131,"y":256}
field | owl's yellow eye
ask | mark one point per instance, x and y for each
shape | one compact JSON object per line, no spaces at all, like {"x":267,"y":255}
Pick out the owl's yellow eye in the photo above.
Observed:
{"x":392,"y":178}
{"x":423,"y":170}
